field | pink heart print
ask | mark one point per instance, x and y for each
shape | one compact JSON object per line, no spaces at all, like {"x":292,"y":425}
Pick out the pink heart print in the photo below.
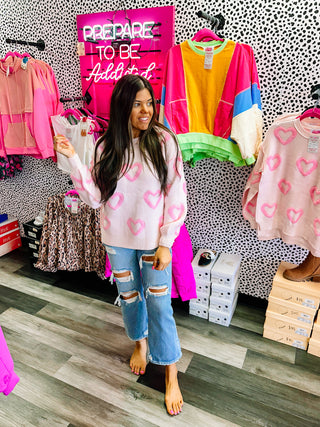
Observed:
{"x":315,"y":195}
{"x":152,"y":199}
{"x":316,"y":226}
{"x":269,"y":210}
{"x":106,"y":223}
{"x":256,"y":177}
{"x":134,"y":172}
{"x":176,"y":212}
{"x":115,"y":201}
{"x":306,"y":167}
{"x":136,"y":226}
{"x":284,"y":186}
{"x":294,"y":215}
{"x":285,"y":136}
{"x":273,"y":162}
{"x":251,"y":208}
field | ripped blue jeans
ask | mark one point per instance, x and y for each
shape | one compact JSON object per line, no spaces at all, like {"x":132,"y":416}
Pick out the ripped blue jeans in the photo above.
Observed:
{"x":145,"y":299}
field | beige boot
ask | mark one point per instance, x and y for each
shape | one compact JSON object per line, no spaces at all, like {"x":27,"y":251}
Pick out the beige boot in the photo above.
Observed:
{"x":309,"y":268}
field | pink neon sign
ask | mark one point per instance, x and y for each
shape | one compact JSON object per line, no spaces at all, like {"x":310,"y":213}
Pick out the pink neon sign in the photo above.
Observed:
{"x":112,"y":44}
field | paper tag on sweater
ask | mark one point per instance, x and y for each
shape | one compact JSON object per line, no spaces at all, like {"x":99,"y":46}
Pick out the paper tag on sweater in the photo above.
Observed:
{"x":208,"y":58}
{"x":313,"y":143}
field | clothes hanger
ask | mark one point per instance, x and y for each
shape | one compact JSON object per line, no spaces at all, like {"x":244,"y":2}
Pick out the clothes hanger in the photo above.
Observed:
{"x":206,"y":35}
{"x":315,"y":110}
{"x":72,"y":193}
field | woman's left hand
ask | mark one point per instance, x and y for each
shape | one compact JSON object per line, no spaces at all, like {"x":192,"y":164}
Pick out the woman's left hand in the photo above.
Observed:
{"x":162,"y":258}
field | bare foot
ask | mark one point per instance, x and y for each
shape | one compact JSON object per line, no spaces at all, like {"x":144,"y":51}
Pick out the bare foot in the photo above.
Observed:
{"x":173,"y":396}
{"x":138,"y":361}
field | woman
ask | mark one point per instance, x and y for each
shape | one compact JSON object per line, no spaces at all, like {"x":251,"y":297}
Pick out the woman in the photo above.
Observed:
{"x":137,"y":179}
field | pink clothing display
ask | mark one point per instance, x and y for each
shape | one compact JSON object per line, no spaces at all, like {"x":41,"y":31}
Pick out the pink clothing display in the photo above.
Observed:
{"x":138,"y":215}
{"x":8,"y":378}
{"x":183,"y":281}
{"x":282,"y":196}
{"x":29,"y":96}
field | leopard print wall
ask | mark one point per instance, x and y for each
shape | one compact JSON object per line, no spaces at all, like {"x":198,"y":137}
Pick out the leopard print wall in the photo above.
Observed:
{"x":285,"y":37}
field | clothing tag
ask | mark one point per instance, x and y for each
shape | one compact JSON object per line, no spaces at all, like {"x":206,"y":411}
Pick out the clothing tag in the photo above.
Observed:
{"x":313,"y":143}
{"x":24,"y":63}
{"x":208,"y":59}
{"x":74,"y":205}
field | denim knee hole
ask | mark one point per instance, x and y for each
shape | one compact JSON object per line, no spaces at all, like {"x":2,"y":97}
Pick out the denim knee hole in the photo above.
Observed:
{"x":158,"y":291}
{"x":147,"y":258}
{"x":110,"y":250}
{"x":130,"y":296}
{"x":123,"y":276}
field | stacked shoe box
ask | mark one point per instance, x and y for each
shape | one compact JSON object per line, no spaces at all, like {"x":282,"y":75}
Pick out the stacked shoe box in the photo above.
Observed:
{"x":33,"y":234}
{"x":224,"y":288}
{"x":200,"y":306}
{"x":291,"y":310}
{"x":9,"y":235}
{"x":314,"y":343}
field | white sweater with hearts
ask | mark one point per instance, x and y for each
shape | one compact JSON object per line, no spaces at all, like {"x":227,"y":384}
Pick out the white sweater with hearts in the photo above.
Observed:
{"x":138,"y":215}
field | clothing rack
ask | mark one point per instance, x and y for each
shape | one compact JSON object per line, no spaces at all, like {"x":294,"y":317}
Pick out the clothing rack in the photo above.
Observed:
{"x":40,"y":44}
{"x":217,"y":21}
{"x":87,"y":98}
{"x":315,"y":94}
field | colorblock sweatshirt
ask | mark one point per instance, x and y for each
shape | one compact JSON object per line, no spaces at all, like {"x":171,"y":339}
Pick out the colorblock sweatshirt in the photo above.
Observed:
{"x":214,"y":112}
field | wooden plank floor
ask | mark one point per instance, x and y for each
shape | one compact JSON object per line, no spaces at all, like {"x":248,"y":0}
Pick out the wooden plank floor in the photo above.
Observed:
{"x":70,"y":350}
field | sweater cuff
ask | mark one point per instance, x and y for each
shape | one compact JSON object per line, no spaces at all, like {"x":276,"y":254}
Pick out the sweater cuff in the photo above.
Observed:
{"x":74,"y":162}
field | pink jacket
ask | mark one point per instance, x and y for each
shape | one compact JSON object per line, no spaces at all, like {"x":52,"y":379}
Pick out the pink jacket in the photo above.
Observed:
{"x":8,"y":378}
{"x":183,"y":281}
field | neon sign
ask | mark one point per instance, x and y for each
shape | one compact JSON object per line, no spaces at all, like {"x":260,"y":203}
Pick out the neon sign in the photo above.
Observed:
{"x":114,"y":44}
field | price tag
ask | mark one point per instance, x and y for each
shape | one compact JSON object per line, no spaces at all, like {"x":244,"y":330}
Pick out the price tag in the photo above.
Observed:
{"x":208,"y":58}
{"x":74,"y":205}
{"x":313,"y":143}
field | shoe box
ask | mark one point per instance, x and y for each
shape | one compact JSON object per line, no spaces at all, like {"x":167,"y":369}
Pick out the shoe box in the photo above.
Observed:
{"x":223,"y":317}
{"x":33,"y":236}
{"x":314,"y":343}
{"x":292,"y":308}
{"x":202,"y":272}
{"x":217,"y":286}
{"x":298,"y":341}
{"x":225,"y":270}
{"x":287,"y":325}
{"x":306,"y":294}
{"x":200,"y":306}
{"x":9,"y":236}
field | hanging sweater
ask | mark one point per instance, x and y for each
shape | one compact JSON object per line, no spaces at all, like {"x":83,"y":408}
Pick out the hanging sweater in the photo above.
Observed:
{"x":138,"y":215}
{"x":214,"y":112}
{"x":282,"y":196}
{"x":28,"y":97}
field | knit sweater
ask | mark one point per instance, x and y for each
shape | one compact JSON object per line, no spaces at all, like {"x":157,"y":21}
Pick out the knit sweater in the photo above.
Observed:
{"x":138,"y":215}
{"x":281,"y":198}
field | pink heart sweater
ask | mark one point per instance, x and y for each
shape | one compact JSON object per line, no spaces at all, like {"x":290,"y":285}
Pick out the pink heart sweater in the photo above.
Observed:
{"x":138,"y":215}
{"x":282,"y":195}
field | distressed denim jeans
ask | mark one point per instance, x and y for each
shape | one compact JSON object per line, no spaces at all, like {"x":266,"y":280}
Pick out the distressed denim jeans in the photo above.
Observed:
{"x":145,"y":299}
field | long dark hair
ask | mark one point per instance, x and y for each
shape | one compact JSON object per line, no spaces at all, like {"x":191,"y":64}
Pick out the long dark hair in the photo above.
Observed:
{"x":117,"y":154}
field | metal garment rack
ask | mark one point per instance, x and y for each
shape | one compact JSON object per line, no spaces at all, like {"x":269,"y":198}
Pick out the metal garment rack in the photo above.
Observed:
{"x":40,"y":44}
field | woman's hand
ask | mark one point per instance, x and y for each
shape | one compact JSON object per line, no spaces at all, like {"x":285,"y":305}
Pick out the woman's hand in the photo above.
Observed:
{"x":62,"y":145}
{"x":162,"y":258}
